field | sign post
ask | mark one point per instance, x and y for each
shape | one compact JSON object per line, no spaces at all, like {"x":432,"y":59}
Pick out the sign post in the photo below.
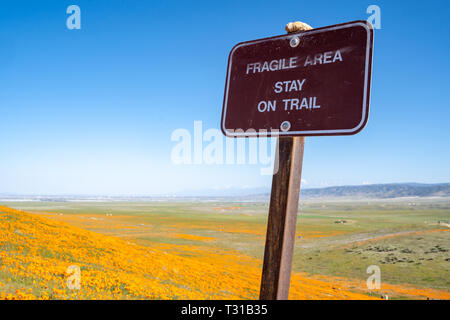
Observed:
{"x":310,"y":82}
{"x":283,"y":208}
{"x":282,"y":221}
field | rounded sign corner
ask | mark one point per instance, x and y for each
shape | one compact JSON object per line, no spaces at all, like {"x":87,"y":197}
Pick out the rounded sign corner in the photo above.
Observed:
{"x":225,"y":132}
{"x":361,"y":125}
{"x":232,"y":51}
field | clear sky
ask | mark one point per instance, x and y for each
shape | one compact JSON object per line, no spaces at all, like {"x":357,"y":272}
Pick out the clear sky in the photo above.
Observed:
{"x":92,"y":111}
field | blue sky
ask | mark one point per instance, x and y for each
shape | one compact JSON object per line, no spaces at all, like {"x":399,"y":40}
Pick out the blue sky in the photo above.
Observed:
{"x":91,"y":111}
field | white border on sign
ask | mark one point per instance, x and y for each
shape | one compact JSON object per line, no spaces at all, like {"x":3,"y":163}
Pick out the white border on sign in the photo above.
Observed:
{"x":366,"y":25}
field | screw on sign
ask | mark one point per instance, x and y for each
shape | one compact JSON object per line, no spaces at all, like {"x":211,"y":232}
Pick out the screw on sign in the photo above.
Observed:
{"x":310,"y":82}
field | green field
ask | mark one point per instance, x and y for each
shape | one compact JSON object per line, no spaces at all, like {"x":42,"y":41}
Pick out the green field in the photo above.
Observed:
{"x":334,"y":238}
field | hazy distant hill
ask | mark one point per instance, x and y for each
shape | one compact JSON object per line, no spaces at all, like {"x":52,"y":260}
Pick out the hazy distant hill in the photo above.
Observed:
{"x":373,"y":191}
{"x":382,"y":191}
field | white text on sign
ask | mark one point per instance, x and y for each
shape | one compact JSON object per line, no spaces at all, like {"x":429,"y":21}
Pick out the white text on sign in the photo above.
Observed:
{"x":292,"y":62}
{"x":307,"y":103}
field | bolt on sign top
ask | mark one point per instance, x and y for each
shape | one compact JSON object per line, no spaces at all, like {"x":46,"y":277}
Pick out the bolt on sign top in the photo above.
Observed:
{"x":310,"y":83}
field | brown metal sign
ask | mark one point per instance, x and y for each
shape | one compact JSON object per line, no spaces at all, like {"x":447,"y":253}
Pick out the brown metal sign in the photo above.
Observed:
{"x":310,"y":83}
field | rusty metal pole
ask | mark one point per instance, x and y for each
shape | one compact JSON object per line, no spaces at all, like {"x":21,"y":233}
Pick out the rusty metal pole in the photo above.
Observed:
{"x":283,"y":211}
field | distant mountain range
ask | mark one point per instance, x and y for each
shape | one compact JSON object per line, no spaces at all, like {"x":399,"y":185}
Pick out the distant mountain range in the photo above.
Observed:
{"x":373,"y":191}
{"x":380,"y":191}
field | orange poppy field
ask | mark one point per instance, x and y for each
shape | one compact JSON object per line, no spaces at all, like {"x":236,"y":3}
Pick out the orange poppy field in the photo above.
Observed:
{"x":155,"y":251}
